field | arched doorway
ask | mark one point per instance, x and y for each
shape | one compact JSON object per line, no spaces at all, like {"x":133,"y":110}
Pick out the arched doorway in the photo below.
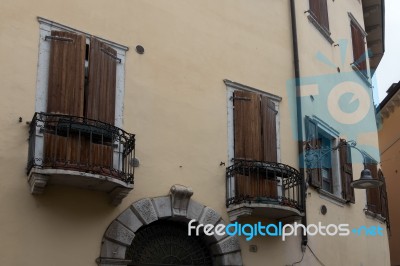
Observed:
{"x":153,"y":231}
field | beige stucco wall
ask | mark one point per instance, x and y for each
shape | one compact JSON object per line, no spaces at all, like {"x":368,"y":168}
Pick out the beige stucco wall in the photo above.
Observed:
{"x":176,"y":104}
{"x":390,"y":149}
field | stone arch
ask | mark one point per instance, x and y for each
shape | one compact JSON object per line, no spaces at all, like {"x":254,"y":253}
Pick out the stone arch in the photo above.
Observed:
{"x":177,"y":205}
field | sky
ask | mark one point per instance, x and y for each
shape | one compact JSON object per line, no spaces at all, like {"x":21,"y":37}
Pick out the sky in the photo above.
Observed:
{"x":388,"y":71}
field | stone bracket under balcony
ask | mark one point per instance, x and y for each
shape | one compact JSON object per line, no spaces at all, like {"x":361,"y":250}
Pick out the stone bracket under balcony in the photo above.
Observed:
{"x":264,"y":189}
{"x":39,"y":179}
{"x":80,"y":152}
{"x":270,"y":211}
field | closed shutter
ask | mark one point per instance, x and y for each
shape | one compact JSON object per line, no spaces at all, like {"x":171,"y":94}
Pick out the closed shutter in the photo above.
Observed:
{"x":314,"y":8}
{"x":247,"y":124}
{"x":314,"y":148}
{"x":324,"y":19}
{"x":357,"y":38}
{"x":268,"y":116}
{"x":65,"y":96}
{"x":66,"y":74}
{"x":268,"y":187}
{"x":346,"y":171}
{"x":100,"y":98}
{"x":319,"y":10}
{"x":255,"y":140}
{"x":384,"y":199}
{"x":373,"y":194}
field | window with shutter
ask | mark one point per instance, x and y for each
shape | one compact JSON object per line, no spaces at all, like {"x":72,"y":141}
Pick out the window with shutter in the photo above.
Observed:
{"x":377,"y":200}
{"x":79,"y":75}
{"x":328,"y":161}
{"x":319,"y":10}
{"x":318,"y":16}
{"x":255,"y":139}
{"x":359,"y":54}
{"x":373,"y":194}
{"x":384,"y":199}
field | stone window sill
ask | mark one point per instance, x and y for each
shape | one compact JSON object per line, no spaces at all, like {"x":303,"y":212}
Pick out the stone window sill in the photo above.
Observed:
{"x":331,"y":197}
{"x":322,"y":30}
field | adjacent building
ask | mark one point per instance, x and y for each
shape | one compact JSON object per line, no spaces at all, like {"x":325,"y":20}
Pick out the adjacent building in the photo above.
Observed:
{"x":124,"y":121}
{"x":388,"y":117}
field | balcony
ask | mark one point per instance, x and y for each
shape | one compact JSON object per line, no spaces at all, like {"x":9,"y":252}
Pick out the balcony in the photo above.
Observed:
{"x":80,"y":152}
{"x":264,"y":189}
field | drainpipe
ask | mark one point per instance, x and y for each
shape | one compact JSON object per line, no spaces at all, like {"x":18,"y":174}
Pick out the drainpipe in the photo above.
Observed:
{"x":299,"y":115}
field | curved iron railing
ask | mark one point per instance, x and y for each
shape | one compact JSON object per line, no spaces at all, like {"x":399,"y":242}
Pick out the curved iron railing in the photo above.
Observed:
{"x":264,"y":182}
{"x":77,"y":143}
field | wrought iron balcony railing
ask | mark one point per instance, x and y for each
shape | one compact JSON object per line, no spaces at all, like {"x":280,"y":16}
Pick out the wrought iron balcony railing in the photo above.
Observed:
{"x":80,"y":144}
{"x":264,"y":182}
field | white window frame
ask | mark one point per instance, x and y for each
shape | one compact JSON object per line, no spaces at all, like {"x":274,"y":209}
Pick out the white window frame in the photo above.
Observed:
{"x":335,"y":163}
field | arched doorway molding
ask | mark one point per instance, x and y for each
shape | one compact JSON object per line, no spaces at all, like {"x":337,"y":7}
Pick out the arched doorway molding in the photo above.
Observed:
{"x":178,"y":205}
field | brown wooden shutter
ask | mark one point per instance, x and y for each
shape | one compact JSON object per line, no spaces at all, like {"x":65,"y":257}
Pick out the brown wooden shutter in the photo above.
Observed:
{"x":373,"y":194}
{"x":384,"y":199}
{"x":100,"y":98}
{"x":319,"y":10}
{"x":346,"y":171}
{"x":247,"y":126}
{"x":268,"y":116}
{"x":324,"y":19}
{"x":268,"y":187}
{"x":314,"y":8}
{"x":357,"y":38}
{"x":66,"y":74}
{"x":312,"y":137}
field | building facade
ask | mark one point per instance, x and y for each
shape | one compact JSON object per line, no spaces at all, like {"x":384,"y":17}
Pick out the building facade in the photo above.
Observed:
{"x":124,"y":121}
{"x":387,"y":116}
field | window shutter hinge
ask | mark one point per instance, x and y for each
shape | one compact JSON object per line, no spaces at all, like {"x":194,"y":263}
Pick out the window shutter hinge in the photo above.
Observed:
{"x":58,"y":38}
{"x":111,"y":55}
{"x":240,"y":98}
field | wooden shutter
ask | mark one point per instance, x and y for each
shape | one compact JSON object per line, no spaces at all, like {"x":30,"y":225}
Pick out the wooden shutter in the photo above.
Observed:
{"x":324,"y":19}
{"x":66,"y":73}
{"x":346,"y":171}
{"x":384,"y":199}
{"x":247,"y":126}
{"x":357,"y":38}
{"x":268,"y":187}
{"x":314,"y":142}
{"x":319,"y":10}
{"x":268,"y":116}
{"x":100,"y":98}
{"x":314,"y":8}
{"x":373,"y":194}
